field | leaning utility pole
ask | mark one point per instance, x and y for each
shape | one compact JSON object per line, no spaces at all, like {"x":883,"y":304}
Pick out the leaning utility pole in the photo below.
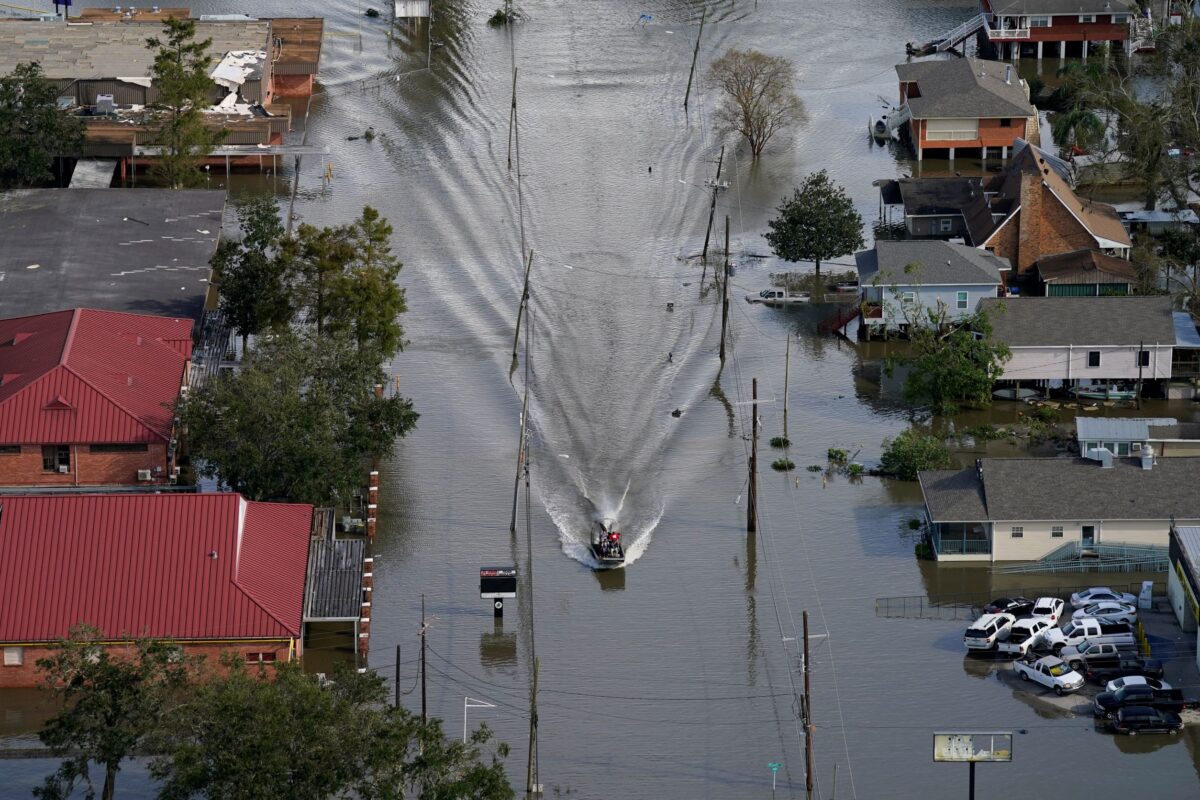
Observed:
{"x":712,"y":209}
{"x":512,"y":114}
{"x":424,"y":706}
{"x":397,"y":703}
{"x":521,"y":454}
{"x":695,"y":55}
{"x":1141,"y":350}
{"x":725,"y":292}
{"x":787,"y":363}
{"x":531,"y":786}
{"x":524,"y":302}
{"x":808,"y":726}
{"x":752,"y":503}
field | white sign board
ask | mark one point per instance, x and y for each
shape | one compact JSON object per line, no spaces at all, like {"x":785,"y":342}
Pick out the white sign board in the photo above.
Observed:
{"x":966,"y":747}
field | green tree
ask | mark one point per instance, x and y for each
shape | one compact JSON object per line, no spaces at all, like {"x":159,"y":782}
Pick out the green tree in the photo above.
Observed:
{"x":757,"y":98}
{"x":112,"y":703}
{"x":912,"y":451}
{"x":180,"y":75}
{"x":32,"y":128}
{"x":322,"y":256}
{"x":252,"y":270}
{"x":245,"y":738}
{"x":298,"y":421}
{"x":367,"y":302}
{"x":817,"y":223}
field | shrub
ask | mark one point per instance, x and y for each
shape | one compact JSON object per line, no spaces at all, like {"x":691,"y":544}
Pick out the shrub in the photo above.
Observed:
{"x":782,"y":464}
{"x":984,"y":433}
{"x":780,"y":441}
{"x":856,"y":470}
{"x":914,"y":524}
{"x":911,"y":452}
{"x":814,"y":468}
{"x":837,"y":455}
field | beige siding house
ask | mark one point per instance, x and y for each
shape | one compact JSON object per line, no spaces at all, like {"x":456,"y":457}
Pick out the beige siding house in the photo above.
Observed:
{"x":1023,"y":509}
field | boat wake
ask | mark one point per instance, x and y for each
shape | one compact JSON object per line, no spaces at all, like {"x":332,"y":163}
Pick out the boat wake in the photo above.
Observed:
{"x":575,"y":513}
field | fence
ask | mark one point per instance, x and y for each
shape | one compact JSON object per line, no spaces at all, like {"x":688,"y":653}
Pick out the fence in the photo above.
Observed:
{"x":969,"y":605}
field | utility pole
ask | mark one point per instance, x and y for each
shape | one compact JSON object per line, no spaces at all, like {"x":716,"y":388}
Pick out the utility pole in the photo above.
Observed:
{"x":752,"y":503}
{"x":512,"y":114}
{"x":429,"y":46}
{"x":725,"y":292}
{"x":808,"y":726}
{"x":524,"y":302}
{"x":695,"y":55}
{"x":424,"y":706}
{"x":397,"y":703}
{"x":787,"y":363}
{"x":712,"y":209}
{"x":531,"y":787}
{"x":1141,"y":350}
{"x":521,"y":454}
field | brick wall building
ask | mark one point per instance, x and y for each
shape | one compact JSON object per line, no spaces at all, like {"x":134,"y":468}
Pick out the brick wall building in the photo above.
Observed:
{"x":87,"y":397}
{"x":213,"y":573}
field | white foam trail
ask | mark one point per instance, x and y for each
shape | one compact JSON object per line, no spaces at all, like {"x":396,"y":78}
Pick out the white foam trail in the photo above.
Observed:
{"x":574,"y":528}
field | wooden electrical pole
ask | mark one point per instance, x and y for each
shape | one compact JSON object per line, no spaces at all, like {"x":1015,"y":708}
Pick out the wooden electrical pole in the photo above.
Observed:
{"x":521,"y":454}
{"x":512,"y":114}
{"x":752,"y":502}
{"x":524,"y":302}
{"x":397,"y":703}
{"x":725,"y":292}
{"x":712,"y":209}
{"x":695,"y":55}
{"x":808,"y":726}
{"x":424,"y":705}
{"x":787,"y":363}
{"x":531,"y":764}
{"x":1141,"y":350}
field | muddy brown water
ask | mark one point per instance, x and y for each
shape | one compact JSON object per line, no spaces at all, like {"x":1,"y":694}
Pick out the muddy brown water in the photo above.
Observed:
{"x":668,"y":678}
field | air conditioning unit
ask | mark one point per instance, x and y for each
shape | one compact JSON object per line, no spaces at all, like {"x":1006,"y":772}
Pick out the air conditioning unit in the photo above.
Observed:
{"x":175,"y":471}
{"x":105,"y":104}
{"x":143,"y":474}
{"x":173,"y":480}
{"x":64,"y":469}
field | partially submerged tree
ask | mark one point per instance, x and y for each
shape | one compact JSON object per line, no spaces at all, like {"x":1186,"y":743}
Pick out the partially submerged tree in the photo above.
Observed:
{"x":817,"y":223}
{"x":367,"y":302}
{"x":911,"y":452}
{"x":33,"y":130}
{"x":180,"y":75}
{"x":252,"y":270}
{"x":298,"y":420}
{"x":245,"y":738}
{"x":758,"y":99}
{"x":111,"y":704}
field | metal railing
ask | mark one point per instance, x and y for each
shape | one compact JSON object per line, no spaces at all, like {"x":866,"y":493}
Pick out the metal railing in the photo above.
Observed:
{"x":962,"y":32}
{"x":969,"y":605}
{"x":1100,"y":557}
{"x":950,"y":136}
{"x":1008,"y":33}
{"x":962,"y":547}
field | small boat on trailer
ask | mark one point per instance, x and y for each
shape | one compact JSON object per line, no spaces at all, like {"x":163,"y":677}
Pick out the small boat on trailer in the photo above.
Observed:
{"x":606,"y":544}
{"x":1110,"y":391}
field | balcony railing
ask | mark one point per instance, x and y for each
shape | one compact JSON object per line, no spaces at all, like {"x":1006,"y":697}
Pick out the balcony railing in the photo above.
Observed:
{"x":1008,"y":33}
{"x":961,"y":547}
{"x":951,"y":136}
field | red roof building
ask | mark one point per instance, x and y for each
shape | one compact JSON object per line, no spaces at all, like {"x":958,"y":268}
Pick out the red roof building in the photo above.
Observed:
{"x":213,"y":572}
{"x":87,"y":397}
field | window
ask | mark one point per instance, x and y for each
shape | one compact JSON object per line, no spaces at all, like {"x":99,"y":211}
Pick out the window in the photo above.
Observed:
{"x":945,"y":223}
{"x":1087,"y":18}
{"x":260,"y":658}
{"x":908,"y":297}
{"x":56,"y":458}
{"x":1093,"y":358}
{"x":961,"y":301}
{"x":1122,"y":448}
{"x":1039,"y":22}
{"x":1143,"y":358}
{"x":1005,"y":122}
{"x":118,"y":448}
{"x":1120,"y":19}
{"x":10,"y":449}
{"x":14,"y":656}
{"x":1018,"y":531}
{"x":1111,"y":447}
{"x":1056,"y":532}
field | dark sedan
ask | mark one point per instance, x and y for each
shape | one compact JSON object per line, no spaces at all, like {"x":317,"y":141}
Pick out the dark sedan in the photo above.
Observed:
{"x":1017,"y":606}
{"x":1133,"y":720}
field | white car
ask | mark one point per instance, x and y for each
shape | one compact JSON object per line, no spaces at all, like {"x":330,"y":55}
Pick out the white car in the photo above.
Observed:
{"x":1135,"y":680}
{"x":1050,"y":608}
{"x":1099,"y":593}
{"x":989,"y":629}
{"x":1108,"y":611}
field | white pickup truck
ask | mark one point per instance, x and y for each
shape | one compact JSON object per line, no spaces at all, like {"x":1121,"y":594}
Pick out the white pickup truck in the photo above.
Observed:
{"x":1050,"y":672}
{"x":1026,"y":634}
{"x":1078,"y":631}
{"x":779,"y":296}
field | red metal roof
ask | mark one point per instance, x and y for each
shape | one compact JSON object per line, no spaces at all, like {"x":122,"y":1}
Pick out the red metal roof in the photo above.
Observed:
{"x":140,"y":564}
{"x":84,"y":376}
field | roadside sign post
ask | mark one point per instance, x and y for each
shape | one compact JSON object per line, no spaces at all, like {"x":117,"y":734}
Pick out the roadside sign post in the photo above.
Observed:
{"x":496,"y":584}
{"x":774,"y":765}
{"x":972,"y":748}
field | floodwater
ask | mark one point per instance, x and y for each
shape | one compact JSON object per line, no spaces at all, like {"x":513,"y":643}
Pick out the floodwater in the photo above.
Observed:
{"x":675,"y":677}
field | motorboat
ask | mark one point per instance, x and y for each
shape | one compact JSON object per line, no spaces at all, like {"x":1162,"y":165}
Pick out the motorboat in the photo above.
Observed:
{"x":606,"y":544}
{"x":845,"y":287}
{"x":1104,"y":391}
{"x":1017,"y":393}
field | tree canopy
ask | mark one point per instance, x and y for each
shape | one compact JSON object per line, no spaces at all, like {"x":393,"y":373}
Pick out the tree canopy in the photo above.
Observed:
{"x":757,"y":95}
{"x":180,"y":75}
{"x":817,"y":223}
{"x":33,"y":130}
{"x":252,"y":271}
{"x":911,"y":452}
{"x":298,"y":420}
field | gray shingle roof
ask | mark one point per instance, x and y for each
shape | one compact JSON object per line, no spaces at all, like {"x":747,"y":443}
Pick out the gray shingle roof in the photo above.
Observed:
{"x":1065,"y":489}
{"x":110,"y":50}
{"x":964,"y":87}
{"x":1081,"y":321}
{"x":1179,"y":431}
{"x":1133,"y":429}
{"x":941,"y":263}
{"x":1061,"y":7}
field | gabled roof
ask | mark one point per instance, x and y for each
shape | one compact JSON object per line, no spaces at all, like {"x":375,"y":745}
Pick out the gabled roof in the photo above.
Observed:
{"x":1048,"y":489}
{"x":82,"y":375}
{"x":142,"y":565}
{"x":1081,"y":321}
{"x":940,"y":264}
{"x":930,"y":196}
{"x":1133,"y":429}
{"x":1085,"y":266}
{"x":1025,"y":7}
{"x":964,"y":87}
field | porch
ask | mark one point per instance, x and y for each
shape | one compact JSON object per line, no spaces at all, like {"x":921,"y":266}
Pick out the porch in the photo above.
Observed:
{"x":961,"y":541}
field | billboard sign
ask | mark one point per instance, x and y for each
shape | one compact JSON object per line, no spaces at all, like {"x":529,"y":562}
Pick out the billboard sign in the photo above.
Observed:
{"x":969,"y":747}
{"x":497,"y":583}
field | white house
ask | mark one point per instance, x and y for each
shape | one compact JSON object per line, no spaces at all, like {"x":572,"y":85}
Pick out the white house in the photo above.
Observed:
{"x":902,"y":281}
{"x":1021,"y":509}
{"x":1121,"y":436}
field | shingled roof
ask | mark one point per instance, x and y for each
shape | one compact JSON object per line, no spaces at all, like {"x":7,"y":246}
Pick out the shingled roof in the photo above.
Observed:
{"x":1072,"y":7}
{"x":1081,"y":321}
{"x":940,"y":264}
{"x":964,"y":87}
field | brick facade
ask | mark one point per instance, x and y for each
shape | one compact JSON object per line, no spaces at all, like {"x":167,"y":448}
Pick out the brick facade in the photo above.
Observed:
{"x":27,"y":676}
{"x":1043,"y":227}
{"x":86,"y":468}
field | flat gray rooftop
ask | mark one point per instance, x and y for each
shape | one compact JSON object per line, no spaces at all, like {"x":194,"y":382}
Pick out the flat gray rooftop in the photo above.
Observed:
{"x":143,"y":251}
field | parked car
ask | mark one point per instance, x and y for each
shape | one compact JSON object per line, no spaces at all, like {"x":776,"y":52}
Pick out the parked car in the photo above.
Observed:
{"x":779,"y":297}
{"x":1017,"y":606}
{"x":1097,"y":652}
{"x":1025,"y":635}
{"x":1132,"y":720}
{"x":986,"y":631}
{"x":1050,"y":608}
{"x":1108,"y":611}
{"x":1078,"y":631}
{"x":1050,"y":672}
{"x":1135,"y":680}
{"x":1098,"y":593}
{"x":1107,"y":704}
{"x":1123,"y":666}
